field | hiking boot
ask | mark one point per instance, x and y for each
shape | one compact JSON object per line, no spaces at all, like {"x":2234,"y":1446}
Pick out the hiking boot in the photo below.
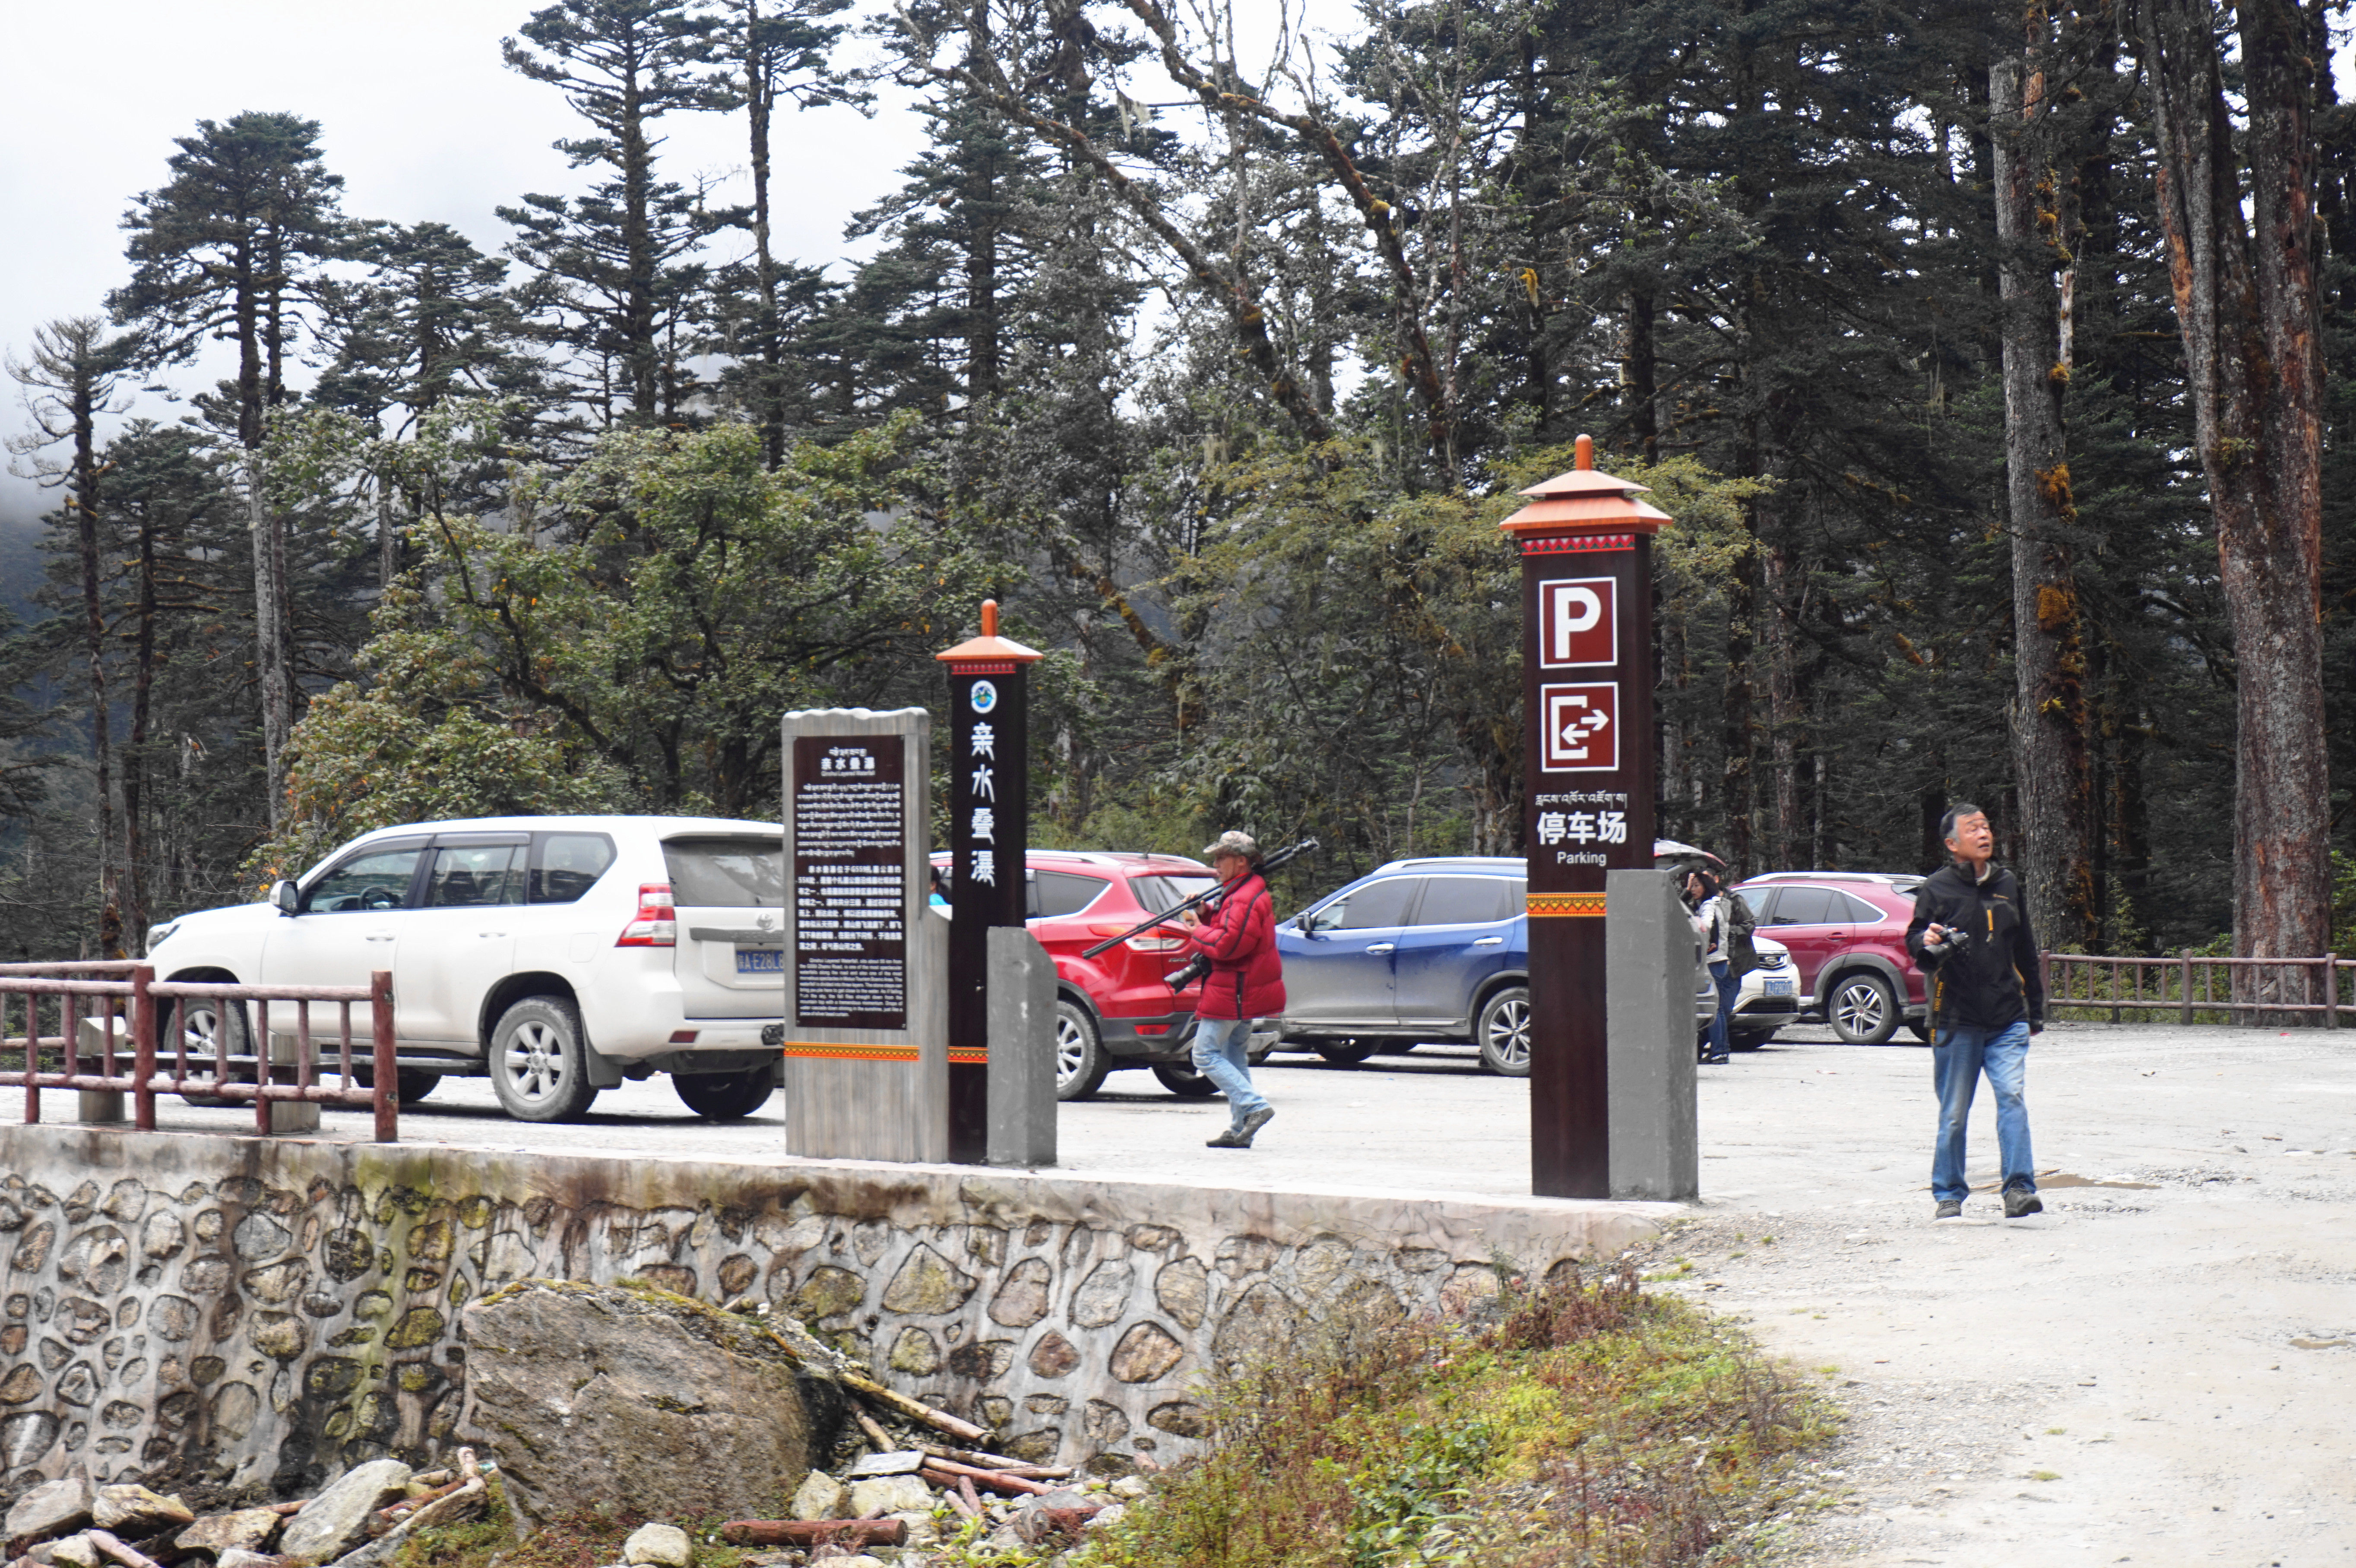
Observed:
{"x":1948,"y":1209}
{"x":2020,"y":1201}
{"x":1232,"y":1139}
{"x":1253,"y":1123}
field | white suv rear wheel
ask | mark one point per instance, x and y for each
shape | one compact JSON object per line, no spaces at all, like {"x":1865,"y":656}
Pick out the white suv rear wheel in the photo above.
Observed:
{"x":538,"y":1065}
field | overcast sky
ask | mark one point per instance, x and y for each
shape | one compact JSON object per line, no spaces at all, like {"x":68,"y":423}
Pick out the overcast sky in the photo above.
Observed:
{"x":416,"y":112}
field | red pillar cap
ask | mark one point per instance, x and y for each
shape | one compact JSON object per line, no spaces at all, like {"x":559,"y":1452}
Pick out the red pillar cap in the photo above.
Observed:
{"x":989,"y":647}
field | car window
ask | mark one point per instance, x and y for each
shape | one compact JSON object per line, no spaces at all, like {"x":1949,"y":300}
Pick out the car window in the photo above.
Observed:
{"x":1061,"y":892}
{"x":726,"y":873}
{"x":1166,"y":890}
{"x":1859,"y":911}
{"x":1462,"y":901}
{"x":472,"y":876}
{"x":1376,"y":904}
{"x":570,"y":864}
{"x":377,"y":880}
{"x":1804,"y":906}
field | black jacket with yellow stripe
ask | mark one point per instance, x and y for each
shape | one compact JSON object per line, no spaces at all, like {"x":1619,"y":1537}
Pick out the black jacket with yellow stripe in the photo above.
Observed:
{"x":1993,"y":980}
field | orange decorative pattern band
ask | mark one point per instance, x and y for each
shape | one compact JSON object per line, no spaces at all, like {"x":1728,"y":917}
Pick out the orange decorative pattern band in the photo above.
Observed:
{"x":969,"y":1058}
{"x":827,"y":1051}
{"x":1569,"y":544}
{"x":1589,"y":904}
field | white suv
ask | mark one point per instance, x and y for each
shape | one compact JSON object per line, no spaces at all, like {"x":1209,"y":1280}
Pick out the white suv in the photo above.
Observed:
{"x":557,"y":955}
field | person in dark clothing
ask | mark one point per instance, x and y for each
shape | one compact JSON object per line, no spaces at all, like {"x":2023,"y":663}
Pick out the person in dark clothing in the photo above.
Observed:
{"x":1970,"y":935}
{"x":1246,"y":982}
{"x":1711,"y":904}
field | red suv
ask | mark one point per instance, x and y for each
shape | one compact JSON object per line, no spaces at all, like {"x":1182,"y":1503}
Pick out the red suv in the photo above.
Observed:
{"x":1846,"y":933}
{"x":1115,"y":1011}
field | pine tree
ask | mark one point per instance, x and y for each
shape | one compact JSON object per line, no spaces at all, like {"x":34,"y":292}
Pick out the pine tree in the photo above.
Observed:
{"x":231,"y":248}
{"x":618,"y":283}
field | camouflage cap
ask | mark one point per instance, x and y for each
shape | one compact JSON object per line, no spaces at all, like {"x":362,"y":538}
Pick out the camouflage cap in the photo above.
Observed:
{"x":1232,"y":843}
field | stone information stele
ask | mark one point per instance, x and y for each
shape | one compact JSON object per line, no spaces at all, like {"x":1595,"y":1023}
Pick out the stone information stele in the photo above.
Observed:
{"x":863,"y":1025}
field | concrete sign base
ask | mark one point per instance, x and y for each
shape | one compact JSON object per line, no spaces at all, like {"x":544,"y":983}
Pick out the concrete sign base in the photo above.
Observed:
{"x":1022,"y":1050}
{"x":1648,"y":1003}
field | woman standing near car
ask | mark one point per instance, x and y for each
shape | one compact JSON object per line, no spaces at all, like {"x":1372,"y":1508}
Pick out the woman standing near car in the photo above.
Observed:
{"x":1708,"y":901}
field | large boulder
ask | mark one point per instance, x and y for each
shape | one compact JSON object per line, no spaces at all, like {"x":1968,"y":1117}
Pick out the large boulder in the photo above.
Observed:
{"x":627,"y":1397}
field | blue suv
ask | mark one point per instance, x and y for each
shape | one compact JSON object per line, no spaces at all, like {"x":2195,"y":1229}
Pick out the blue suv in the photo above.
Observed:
{"x":1421,"y":950}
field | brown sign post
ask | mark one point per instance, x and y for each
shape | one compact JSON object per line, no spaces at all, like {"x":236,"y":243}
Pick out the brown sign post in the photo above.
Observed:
{"x":990,"y":833}
{"x":1588,"y":768}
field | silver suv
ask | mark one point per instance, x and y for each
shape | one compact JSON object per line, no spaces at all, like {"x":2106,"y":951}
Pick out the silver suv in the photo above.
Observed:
{"x":557,"y":955}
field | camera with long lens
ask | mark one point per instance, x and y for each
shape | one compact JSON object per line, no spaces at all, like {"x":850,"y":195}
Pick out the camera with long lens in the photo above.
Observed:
{"x":1956,"y":940}
{"x":1186,"y":973}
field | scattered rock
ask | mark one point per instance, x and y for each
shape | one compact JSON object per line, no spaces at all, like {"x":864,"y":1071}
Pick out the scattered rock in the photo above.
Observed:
{"x":76,"y":1551}
{"x":922,"y":1530}
{"x":233,"y":1558}
{"x":661,"y":1545}
{"x":899,"y":1462}
{"x":820,"y":1497}
{"x":1130,"y":1486}
{"x":134,"y":1513}
{"x":603,"y":1396}
{"x":336,"y":1520}
{"x":50,"y":1509}
{"x":248,"y":1530}
{"x":890,"y":1494}
{"x":1111,"y":1514}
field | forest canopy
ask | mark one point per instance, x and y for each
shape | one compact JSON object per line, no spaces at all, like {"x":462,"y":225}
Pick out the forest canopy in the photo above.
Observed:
{"x":1218,"y":372}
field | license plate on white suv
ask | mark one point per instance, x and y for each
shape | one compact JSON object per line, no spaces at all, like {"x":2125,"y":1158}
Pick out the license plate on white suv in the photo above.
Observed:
{"x":1767,"y":988}
{"x":760,"y":961}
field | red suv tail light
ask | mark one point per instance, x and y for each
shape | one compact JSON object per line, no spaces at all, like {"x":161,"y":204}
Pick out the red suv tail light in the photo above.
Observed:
{"x":1148,"y":942}
{"x":654,"y":926}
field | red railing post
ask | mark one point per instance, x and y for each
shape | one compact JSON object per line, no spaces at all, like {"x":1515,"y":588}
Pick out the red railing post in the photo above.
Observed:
{"x":32,"y":1058}
{"x":143,"y":1048}
{"x":2186,"y":960}
{"x":2331,"y":990}
{"x":386,"y":1095}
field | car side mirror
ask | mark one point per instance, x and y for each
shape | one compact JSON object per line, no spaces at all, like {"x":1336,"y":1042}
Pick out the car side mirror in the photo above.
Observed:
{"x":286,"y":898}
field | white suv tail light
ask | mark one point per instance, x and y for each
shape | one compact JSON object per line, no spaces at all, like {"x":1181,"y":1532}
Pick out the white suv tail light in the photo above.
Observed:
{"x":655,"y":925}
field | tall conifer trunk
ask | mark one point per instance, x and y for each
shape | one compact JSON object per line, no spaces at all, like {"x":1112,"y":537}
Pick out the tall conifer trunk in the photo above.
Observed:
{"x":2048,"y":720}
{"x":2246,"y":304}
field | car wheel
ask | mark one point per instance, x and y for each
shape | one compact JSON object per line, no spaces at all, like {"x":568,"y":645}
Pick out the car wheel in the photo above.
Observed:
{"x":1184,"y":1082}
{"x":1503,"y":1033}
{"x":1747,"y":1040}
{"x":1863,"y":1008}
{"x":725,"y":1097}
{"x":201,"y":1021}
{"x":1921,"y":1031}
{"x":1347,"y":1052}
{"x":1080,"y":1062}
{"x":538,"y":1068}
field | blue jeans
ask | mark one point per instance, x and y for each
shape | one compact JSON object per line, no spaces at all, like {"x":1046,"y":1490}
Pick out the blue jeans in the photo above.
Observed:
{"x":1957,"y":1058}
{"x":1729,"y":984}
{"x":1220,"y":1056}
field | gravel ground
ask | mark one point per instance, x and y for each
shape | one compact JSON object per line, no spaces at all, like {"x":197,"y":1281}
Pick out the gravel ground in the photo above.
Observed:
{"x":2157,"y":1369}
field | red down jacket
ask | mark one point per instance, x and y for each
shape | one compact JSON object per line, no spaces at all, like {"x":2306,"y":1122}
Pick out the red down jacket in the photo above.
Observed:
{"x":1247,"y":978}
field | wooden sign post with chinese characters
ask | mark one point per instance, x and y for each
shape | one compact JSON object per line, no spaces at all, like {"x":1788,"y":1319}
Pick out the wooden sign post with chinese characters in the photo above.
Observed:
{"x":863,"y":1033}
{"x":1587,"y":697}
{"x":989,"y":831}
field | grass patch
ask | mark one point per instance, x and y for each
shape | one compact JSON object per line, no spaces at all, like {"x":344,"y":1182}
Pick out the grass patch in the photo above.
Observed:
{"x":1582,"y":1423}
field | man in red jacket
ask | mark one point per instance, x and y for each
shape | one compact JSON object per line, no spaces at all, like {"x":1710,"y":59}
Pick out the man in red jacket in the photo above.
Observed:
{"x":1246,"y":982}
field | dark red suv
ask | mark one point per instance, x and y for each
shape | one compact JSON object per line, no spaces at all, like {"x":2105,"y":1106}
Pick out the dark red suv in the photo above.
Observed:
{"x":1115,"y":1009}
{"x":1846,"y":933}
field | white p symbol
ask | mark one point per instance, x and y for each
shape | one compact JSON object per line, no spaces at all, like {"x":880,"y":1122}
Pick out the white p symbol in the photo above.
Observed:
{"x":1577,"y":608}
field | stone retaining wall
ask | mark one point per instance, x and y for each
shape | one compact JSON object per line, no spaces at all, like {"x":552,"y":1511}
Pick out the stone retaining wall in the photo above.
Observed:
{"x":243,"y":1310}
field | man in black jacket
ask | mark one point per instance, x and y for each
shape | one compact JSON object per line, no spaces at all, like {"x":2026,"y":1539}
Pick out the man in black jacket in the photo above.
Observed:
{"x":1970,"y":935}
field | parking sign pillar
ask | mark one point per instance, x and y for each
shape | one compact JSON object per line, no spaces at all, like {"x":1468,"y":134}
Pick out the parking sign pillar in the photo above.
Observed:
{"x":989,"y":830}
{"x":1588,"y":778}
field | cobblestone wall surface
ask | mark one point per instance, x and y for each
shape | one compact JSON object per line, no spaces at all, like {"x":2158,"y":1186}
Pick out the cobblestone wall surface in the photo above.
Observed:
{"x":239,"y":1309}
